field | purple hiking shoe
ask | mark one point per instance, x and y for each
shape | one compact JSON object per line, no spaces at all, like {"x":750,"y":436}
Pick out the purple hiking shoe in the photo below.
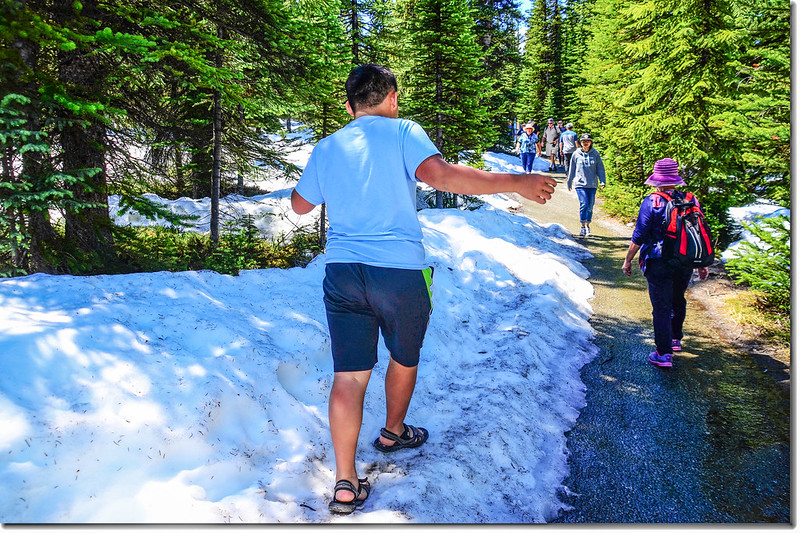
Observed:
{"x":663,"y":361}
{"x":676,"y":345}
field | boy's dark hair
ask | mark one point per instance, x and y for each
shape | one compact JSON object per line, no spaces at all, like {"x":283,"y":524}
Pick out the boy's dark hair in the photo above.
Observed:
{"x":367,"y":85}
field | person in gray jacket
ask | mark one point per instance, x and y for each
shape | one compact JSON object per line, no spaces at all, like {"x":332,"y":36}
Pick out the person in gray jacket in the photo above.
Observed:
{"x":586,"y":170}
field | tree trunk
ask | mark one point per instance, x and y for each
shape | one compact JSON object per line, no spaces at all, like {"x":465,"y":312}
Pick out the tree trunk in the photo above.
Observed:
{"x":39,"y":230}
{"x":90,"y":227}
{"x":439,"y":119}
{"x":354,"y":30}
{"x":200,"y":171}
{"x":215,"y":172}
{"x":83,"y":148}
{"x":323,"y":230}
{"x":180,"y":179}
{"x":177,"y":146}
{"x":10,"y":214}
{"x":239,"y":173}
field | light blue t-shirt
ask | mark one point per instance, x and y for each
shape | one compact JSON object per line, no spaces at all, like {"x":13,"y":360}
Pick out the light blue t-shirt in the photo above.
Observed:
{"x":570,"y":140}
{"x":365,"y":173}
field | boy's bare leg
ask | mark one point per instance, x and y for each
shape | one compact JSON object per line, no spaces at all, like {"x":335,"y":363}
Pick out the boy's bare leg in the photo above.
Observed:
{"x":345,"y":413}
{"x":400,"y":383}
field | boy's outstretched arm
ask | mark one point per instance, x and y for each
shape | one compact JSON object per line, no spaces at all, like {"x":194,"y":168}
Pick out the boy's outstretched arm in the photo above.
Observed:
{"x":461,"y":179}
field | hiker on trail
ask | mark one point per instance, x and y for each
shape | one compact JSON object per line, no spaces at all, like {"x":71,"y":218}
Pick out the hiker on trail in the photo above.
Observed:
{"x":666,"y":284}
{"x":549,"y":140}
{"x":376,"y":274}
{"x":586,"y":171}
{"x":526,"y":147}
{"x":538,"y":131}
{"x":568,"y":143}
{"x":561,"y":129}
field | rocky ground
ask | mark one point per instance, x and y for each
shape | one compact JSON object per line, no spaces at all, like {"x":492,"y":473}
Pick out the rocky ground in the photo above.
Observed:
{"x":715,"y":297}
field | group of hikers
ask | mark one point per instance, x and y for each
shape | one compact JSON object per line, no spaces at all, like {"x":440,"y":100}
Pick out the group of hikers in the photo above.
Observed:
{"x":581,"y":161}
{"x":557,"y":142}
{"x":377,"y":279}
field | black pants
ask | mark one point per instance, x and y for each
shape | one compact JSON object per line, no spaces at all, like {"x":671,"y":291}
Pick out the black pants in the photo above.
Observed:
{"x":667,"y":288}
{"x":363,"y":300}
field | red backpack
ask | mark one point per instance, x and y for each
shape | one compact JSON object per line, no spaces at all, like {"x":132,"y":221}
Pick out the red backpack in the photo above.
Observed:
{"x":688,"y":240}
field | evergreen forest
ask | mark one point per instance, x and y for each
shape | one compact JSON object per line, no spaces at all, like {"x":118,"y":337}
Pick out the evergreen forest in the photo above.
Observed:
{"x":103,"y":97}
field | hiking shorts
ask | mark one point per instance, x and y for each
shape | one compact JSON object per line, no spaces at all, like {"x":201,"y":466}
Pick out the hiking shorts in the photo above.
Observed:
{"x":362,"y":300}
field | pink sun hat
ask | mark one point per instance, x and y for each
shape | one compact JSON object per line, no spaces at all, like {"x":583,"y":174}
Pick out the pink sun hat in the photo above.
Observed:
{"x":665,"y":173}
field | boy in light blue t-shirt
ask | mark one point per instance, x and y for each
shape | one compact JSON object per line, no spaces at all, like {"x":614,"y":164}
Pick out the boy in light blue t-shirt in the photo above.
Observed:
{"x":376,"y":278}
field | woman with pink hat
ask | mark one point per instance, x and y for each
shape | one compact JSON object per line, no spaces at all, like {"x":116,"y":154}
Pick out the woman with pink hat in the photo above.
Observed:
{"x":665,"y":284}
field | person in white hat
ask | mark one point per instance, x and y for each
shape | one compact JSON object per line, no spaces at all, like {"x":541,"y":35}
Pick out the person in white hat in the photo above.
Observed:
{"x":527,"y":147}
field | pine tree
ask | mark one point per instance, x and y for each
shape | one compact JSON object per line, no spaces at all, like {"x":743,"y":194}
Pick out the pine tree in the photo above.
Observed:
{"x":532,"y":79}
{"x":553,"y":101}
{"x":54,"y":70}
{"x":370,"y":29}
{"x":576,"y":31}
{"x":383,"y":40}
{"x":331,"y":61}
{"x":540,"y":78}
{"x":82,"y":70}
{"x":26,"y":192}
{"x":443,"y":83}
{"x":102,"y":77}
{"x":497,"y":26}
{"x":605,"y":73}
{"x":229,"y":72}
{"x":756,"y":116}
{"x":684,"y":51}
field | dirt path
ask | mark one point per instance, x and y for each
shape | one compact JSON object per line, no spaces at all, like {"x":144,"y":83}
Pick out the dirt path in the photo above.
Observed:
{"x":705,"y":441}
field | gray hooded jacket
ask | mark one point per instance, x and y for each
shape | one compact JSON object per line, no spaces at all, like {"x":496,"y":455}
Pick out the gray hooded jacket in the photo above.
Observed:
{"x":585,"y":169}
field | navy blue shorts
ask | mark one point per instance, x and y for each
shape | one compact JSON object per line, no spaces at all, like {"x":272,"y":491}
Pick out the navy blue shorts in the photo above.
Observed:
{"x":361,"y":300}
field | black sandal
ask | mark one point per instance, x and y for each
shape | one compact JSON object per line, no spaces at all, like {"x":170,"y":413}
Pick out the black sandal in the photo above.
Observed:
{"x":412,"y":437}
{"x":347,"y":507}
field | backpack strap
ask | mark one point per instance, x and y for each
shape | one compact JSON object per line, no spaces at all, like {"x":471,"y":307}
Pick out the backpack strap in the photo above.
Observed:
{"x":662,"y":194}
{"x":670,"y":215}
{"x":667,"y":198}
{"x":691,"y":198}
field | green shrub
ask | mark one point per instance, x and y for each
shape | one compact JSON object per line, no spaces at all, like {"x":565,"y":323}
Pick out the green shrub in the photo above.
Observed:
{"x":622,"y":201}
{"x":158,"y":248}
{"x":766,"y":265}
{"x":240,"y":247}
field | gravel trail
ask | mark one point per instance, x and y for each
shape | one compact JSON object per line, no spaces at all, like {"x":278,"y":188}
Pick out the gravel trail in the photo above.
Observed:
{"x":706,"y":441}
